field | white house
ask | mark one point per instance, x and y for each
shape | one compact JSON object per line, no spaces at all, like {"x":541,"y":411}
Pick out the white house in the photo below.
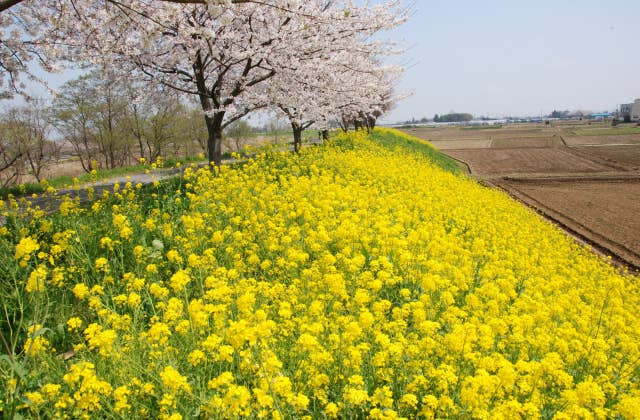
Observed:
{"x":632,"y":111}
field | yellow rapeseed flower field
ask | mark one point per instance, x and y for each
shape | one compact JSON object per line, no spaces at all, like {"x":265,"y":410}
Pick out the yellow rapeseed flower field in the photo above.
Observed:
{"x":355,"y":280}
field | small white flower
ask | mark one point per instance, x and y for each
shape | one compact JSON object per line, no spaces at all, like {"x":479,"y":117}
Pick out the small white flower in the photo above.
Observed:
{"x":157,"y":244}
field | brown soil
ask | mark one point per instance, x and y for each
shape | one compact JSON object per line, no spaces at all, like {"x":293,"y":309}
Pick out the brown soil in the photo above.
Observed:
{"x":461,"y":144}
{"x":526,"y":161}
{"x":627,"y":157}
{"x":521,"y":142}
{"x":457,"y":133}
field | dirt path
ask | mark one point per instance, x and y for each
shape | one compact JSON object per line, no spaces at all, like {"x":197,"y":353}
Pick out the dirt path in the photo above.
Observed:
{"x":601,"y":213}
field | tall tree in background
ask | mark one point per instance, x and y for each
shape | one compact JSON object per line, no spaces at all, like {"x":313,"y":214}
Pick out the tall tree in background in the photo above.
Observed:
{"x":25,"y":146}
{"x":89,"y":112}
{"x":225,"y":53}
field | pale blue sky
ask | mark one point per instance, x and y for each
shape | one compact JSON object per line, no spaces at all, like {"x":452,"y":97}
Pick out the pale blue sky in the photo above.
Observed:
{"x":512,"y":57}
{"x":499,"y":57}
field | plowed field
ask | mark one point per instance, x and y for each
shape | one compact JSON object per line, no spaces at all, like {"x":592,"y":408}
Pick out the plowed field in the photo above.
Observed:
{"x":620,"y":140}
{"x":626,"y":157}
{"x":589,"y":185}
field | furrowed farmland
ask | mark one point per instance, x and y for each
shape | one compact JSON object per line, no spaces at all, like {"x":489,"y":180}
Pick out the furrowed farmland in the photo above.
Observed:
{"x":583,"y":177}
{"x":365,"y":278}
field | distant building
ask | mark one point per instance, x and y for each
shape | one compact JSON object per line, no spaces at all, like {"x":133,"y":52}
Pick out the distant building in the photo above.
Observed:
{"x":630,"y":111}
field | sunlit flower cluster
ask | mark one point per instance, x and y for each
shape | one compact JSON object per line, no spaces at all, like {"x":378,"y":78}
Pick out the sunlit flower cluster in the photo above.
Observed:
{"x":349,"y":281}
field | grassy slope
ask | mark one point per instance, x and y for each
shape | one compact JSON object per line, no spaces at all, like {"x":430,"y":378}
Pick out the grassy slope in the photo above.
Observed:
{"x":394,"y":139}
{"x":608,"y":131}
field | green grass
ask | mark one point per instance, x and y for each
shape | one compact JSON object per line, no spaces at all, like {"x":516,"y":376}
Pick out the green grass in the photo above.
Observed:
{"x":483,"y":127}
{"x":393,"y":141}
{"x":388,"y":140}
{"x":617,"y":131}
{"x":22,"y":189}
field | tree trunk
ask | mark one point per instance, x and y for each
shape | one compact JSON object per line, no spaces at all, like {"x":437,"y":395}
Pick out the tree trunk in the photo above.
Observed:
{"x":214,"y":141}
{"x":137,"y":131}
{"x":213,"y":121}
{"x":371,"y":120}
{"x":297,"y":136}
{"x":344,"y":124}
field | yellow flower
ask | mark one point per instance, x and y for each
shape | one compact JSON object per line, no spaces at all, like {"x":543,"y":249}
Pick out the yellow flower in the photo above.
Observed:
{"x":80,"y":291}
{"x":196,"y":357}
{"x":37,"y":279}
{"x":409,"y":401}
{"x":174,"y":381}
{"x":331,"y":410}
{"x":237,"y":401}
{"x":36,"y":343}
{"x":382,"y":397}
{"x":223,"y":380}
{"x":121,"y":222}
{"x":102,"y":264}
{"x":121,"y":397}
{"x":101,"y":339}
{"x":174,"y":257}
{"x":74,"y":323}
{"x":179,"y":280}
{"x":35,"y":399}
{"x":134,"y":299}
{"x":341,"y":282}
{"x":159,"y":333}
{"x":25,"y":248}
{"x":50,"y":390}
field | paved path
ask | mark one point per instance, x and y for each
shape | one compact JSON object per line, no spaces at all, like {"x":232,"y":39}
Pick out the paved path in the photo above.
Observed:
{"x":51,"y":202}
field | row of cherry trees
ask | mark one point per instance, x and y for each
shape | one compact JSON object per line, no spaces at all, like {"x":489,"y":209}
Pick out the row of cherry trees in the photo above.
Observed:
{"x":315,"y":60}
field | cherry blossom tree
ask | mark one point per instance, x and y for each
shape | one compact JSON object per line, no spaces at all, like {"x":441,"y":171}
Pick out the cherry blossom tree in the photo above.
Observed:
{"x":226,"y":53}
{"x":353,"y":86}
{"x":344,"y":71}
{"x":23,"y":22}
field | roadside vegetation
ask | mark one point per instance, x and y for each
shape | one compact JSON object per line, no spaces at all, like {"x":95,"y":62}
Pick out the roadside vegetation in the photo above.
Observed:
{"x":142,"y":135}
{"x":483,"y":127}
{"x":354,"y":280}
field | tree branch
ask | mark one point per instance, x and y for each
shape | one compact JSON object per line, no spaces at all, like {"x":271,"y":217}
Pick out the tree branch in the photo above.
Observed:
{"x":7,"y":4}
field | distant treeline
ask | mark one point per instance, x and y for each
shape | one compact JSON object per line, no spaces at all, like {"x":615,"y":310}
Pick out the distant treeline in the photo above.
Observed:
{"x":451,"y":117}
{"x":455,"y":117}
